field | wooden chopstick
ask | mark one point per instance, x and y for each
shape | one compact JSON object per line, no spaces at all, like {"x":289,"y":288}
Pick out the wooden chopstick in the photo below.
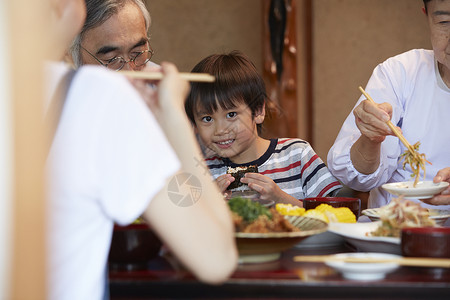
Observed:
{"x":199,"y":77}
{"x":404,"y":261}
{"x":391,"y":126}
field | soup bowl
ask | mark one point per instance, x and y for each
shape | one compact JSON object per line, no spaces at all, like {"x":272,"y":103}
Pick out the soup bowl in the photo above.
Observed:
{"x":426,"y":242}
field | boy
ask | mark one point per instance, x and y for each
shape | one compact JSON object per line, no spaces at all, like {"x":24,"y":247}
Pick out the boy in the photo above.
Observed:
{"x":227,"y":116}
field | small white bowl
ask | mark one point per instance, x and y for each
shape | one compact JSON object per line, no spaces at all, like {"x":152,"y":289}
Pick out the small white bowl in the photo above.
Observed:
{"x":364,"y":271}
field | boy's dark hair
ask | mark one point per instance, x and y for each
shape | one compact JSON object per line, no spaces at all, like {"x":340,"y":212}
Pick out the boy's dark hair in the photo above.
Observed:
{"x":237,"y":81}
{"x":425,"y":5}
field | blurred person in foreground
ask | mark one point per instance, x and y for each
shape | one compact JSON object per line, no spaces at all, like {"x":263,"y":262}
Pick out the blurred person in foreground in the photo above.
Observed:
{"x":413,"y":91}
{"x":111,"y":161}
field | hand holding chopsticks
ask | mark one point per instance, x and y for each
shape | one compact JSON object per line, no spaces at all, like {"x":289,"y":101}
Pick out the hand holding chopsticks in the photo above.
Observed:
{"x":391,"y":126}
{"x":412,"y":157}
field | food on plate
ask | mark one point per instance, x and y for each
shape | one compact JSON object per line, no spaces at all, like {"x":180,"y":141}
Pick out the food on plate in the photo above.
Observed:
{"x":139,"y":220}
{"x":251,"y":217}
{"x":289,"y":209}
{"x":401,"y":213}
{"x":238,"y":173}
{"x":337,"y":214}
{"x":314,"y":213}
{"x":416,"y":160}
{"x":324,"y":212}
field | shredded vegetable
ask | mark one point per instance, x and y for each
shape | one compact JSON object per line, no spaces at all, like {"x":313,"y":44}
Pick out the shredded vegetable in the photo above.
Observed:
{"x":416,"y":160}
{"x":401,"y":213}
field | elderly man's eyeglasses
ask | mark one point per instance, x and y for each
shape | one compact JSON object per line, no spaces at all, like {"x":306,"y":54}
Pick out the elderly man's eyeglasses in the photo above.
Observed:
{"x":118,"y":62}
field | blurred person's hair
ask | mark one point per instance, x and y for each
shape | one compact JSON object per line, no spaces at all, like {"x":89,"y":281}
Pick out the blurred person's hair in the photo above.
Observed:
{"x":98,"y":12}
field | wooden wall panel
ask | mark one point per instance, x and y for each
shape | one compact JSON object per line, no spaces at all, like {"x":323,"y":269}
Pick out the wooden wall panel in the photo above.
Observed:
{"x":186,"y":31}
{"x":280,"y":67}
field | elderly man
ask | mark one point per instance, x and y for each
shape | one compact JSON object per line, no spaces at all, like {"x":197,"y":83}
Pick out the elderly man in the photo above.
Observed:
{"x":415,"y":90}
{"x":114,"y":35}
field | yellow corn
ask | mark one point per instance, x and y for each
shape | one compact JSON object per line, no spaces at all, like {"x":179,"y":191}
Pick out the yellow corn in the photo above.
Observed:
{"x":344,"y":215}
{"x":289,"y":209}
{"x":337,"y":214}
{"x":324,"y":212}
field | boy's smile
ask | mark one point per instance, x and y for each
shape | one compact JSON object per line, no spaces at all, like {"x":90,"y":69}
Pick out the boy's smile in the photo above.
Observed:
{"x":232,"y":133}
{"x":225,"y":144}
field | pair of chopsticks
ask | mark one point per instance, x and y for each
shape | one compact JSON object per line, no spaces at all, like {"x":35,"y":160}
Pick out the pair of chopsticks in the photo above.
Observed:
{"x":391,"y":126}
{"x":199,"y":77}
{"x":403,"y":261}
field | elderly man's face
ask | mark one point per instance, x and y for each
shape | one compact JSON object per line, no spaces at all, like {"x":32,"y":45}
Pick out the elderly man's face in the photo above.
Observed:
{"x":123,"y":34}
{"x":439,"y":21}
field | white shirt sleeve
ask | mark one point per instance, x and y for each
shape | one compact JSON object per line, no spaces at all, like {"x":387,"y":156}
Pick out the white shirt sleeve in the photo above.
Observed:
{"x":120,"y":156}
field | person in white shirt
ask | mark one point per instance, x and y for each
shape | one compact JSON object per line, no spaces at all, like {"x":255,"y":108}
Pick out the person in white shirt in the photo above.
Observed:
{"x":112,"y":161}
{"x":413,"y":91}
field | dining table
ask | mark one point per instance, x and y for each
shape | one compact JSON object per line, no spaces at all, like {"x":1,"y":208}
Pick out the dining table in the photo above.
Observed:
{"x":164,"y":278}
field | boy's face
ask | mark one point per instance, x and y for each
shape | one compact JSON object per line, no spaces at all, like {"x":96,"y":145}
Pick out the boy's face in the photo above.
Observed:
{"x":230,"y":133}
{"x":123,"y":34}
{"x":439,"y":22}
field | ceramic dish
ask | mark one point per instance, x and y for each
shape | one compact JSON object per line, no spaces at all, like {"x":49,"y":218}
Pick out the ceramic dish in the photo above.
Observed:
{"x":363,"y":271}
{"x":322,"y":240}
{"x":439,"y":216}
{"x":265,"y":247}
{"x":423,"y":190}
{"x":357,"y":235}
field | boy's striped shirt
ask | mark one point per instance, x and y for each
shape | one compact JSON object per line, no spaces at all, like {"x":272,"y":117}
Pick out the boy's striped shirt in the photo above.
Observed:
{"x":292,"y":164}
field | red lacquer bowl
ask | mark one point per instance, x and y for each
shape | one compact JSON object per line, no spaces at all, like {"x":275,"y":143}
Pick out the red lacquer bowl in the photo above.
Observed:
{"x":426,"y":242}
{"x":132,"y":247}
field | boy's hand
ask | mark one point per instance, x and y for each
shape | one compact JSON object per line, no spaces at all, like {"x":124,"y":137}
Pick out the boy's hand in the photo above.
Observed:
{"x":264,"y":185}
{"x":224,"y":181}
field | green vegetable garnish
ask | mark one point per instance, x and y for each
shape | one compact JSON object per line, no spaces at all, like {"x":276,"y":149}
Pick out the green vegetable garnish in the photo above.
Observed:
{"x":249,"y":210}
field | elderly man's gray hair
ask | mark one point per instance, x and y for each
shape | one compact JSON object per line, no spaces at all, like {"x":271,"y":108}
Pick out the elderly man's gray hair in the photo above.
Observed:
{"x":98,"y":11}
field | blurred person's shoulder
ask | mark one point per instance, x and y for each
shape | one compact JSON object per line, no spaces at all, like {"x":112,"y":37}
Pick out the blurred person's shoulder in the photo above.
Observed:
{"x":101,"y":76}
{"x":93,"y":74}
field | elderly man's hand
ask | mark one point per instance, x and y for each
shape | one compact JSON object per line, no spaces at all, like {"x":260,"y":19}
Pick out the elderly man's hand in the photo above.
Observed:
{"x":371,"y":120}
{"x":444,"y":197}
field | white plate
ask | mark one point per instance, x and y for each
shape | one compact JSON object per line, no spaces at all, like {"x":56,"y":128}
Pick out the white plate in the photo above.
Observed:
{"x":423,"y":190}
{"x":363,"y":271}
{"x":356,"y":234}
{"x":438,"y":215}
